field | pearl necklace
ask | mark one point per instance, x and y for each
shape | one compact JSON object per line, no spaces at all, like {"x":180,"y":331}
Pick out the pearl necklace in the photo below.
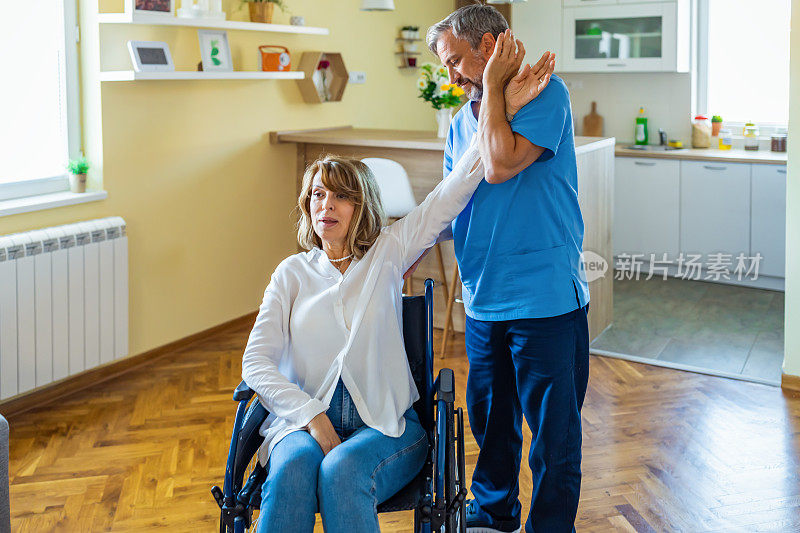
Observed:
{"x":340,"y":260}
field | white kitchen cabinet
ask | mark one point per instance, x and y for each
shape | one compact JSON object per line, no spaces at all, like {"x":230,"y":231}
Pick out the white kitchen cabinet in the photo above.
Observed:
{"x":627,"y":37}
{"x":538,"y":25}
{"x":768,"y":218}
{"x":715,"y":208}
{"x":646,"y":207}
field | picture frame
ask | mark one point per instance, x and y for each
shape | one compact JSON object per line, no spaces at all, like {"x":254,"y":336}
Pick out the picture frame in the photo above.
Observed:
{"x":150,"y":56}
{"x":155,"y":8}
{"x":215,"y":52}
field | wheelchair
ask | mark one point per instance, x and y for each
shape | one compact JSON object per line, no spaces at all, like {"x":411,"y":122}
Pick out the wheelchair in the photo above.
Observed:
{"x":437,"y":494}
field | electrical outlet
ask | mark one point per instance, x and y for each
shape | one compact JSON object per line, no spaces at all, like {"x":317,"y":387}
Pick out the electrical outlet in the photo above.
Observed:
{"x":358,"y":77}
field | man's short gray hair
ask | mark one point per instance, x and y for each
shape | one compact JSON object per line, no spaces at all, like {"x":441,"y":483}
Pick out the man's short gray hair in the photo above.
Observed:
{"x":469,"y":23}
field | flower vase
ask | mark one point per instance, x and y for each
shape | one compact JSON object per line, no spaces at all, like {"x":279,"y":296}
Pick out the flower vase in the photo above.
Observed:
{"x":443,"y":117}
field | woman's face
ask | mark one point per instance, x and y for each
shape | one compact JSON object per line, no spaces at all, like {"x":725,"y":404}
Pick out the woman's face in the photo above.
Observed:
{"x":330,"y":213}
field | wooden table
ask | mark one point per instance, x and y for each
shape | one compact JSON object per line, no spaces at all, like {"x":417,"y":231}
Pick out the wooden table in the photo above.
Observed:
{"x":421,"y":153}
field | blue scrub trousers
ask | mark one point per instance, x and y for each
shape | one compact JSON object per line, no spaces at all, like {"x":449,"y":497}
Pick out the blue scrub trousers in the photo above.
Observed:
{"x":539,"y":368}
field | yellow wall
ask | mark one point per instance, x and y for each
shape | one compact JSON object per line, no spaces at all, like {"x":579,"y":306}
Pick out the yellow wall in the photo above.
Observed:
{"x":188,"y":164}
{"x":791,"y":363}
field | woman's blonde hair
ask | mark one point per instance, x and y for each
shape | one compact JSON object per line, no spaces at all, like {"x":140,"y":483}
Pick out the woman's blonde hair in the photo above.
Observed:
{"x":354,"y":179}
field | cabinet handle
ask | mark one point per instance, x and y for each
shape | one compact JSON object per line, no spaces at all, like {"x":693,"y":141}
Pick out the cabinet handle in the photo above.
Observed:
{"x":617,"y":65}
{"x":709,"y":167}
{"x":643,"y":164}
{"x":781,"y":171}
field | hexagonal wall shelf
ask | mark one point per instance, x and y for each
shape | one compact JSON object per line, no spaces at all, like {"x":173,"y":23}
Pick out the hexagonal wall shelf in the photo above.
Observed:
{"x":319,"y":86}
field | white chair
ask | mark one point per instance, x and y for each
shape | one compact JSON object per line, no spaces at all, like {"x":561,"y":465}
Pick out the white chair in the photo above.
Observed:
{"x":398,"y":200}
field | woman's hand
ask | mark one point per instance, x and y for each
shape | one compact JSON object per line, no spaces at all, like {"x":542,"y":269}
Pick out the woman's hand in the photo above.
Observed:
{"x":504,"y":62}
{"x":322,"y":430}
{"x":529,"y":83}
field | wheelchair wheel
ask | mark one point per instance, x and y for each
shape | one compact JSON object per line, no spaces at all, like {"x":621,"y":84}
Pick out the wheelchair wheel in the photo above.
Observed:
{"x":254,"y":502}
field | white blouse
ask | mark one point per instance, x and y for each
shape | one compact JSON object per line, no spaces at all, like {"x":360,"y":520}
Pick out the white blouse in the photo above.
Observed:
{"x":316,"y":324}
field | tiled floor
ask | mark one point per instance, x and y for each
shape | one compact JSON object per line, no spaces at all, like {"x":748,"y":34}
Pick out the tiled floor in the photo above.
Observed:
{"x":721,"y":329}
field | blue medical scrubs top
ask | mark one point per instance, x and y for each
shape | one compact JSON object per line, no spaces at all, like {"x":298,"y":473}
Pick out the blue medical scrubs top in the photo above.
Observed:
{"x":519,"y":243}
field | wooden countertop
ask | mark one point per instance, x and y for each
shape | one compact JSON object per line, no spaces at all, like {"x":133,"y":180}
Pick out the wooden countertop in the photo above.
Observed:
{"x":708,"y":154}
{"x":384,"y":138}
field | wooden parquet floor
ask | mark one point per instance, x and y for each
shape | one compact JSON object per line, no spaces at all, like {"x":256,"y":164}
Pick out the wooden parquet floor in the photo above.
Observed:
{"x":664,"y":450}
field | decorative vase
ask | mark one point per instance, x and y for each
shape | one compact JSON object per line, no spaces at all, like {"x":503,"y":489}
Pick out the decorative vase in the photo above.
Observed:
{"x":261,"y":11}
{"x":443,"y":117}
{"x":77,"y":183}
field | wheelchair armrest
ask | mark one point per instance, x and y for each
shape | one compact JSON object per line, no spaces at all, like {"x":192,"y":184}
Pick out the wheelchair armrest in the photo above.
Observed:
{"x":446,"y":385}
{"x":243,"y":392}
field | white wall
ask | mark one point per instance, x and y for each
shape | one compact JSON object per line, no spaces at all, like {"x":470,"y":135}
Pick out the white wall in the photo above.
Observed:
{"x":791,"y":363}
{"x":666,"y":97}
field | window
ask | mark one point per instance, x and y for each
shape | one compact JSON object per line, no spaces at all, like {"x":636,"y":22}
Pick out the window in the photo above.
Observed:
{"x":40,"y":130}
{"x":744,"y":75}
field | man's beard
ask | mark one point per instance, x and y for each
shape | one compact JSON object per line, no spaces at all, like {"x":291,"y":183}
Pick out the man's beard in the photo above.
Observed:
{"x":475,"y":93}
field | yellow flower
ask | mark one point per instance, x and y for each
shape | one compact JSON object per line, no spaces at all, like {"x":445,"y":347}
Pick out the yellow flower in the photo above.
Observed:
{"x":445,"y":87}
{"x":457,"y":91}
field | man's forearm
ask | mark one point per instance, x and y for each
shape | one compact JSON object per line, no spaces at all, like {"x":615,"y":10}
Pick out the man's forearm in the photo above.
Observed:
{"x":496,"y":142}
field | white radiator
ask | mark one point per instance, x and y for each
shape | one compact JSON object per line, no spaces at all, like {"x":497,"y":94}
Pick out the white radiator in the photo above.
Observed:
{"x":63,"y":302}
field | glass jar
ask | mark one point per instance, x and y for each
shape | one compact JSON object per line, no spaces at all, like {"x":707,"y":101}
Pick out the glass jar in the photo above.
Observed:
{"x":725,"y":139}
{"x":750,"y":136}
{"x":778,"y":141}
{"x":701,"y":132}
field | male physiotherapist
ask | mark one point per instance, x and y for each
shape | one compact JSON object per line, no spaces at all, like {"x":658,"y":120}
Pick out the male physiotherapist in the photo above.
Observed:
{"x":518,"y":244}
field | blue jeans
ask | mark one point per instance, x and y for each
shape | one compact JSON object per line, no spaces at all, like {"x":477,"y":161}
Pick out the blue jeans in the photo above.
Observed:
{"x":346,"y":485}
{"x":540,"y":368}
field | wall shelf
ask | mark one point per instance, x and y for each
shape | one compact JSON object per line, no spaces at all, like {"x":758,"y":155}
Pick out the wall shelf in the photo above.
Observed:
{"x":123,"y":18}
{"x":131,"y":75}
{"x":308,"y":85}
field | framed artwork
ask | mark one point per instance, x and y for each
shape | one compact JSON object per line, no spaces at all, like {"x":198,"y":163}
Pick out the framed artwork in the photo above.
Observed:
{"x":164,"y":8}
{"x":215,"y":51}
{"x":150,"y":56}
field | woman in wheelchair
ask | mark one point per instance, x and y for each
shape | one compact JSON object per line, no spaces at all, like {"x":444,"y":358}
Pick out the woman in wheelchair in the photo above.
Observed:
{"x":326,"y":355}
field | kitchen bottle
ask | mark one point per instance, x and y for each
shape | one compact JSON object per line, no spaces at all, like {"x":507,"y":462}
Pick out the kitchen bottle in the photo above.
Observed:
{"x":640,"y":133}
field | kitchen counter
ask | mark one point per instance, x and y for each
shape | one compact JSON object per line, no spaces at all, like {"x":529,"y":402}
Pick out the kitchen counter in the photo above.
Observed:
{"x":410,"y":139}
{"x":707,"y":154}
{"x":421,"y":152}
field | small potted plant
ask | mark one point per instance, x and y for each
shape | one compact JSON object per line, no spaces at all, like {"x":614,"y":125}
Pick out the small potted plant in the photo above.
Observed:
{"x":77,"y":174}
{"x":409,"y":32}
{"x":716,"y":124}
{"x":262,"y":10}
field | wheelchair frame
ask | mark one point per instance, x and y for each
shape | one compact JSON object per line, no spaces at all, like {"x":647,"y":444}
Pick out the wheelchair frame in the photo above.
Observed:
{"x":441,"y":505}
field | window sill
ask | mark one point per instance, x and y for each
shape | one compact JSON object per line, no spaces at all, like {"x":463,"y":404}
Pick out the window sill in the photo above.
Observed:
{"x":48,"y":201}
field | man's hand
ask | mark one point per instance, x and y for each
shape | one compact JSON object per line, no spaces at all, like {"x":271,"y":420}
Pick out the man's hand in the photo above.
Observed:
{"x":504,"y":62}
{"x":529,"y":83}
{"x":322,"y":430}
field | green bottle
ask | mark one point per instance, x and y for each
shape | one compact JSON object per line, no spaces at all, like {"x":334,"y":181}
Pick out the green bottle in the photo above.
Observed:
{"x":640,"y":134}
